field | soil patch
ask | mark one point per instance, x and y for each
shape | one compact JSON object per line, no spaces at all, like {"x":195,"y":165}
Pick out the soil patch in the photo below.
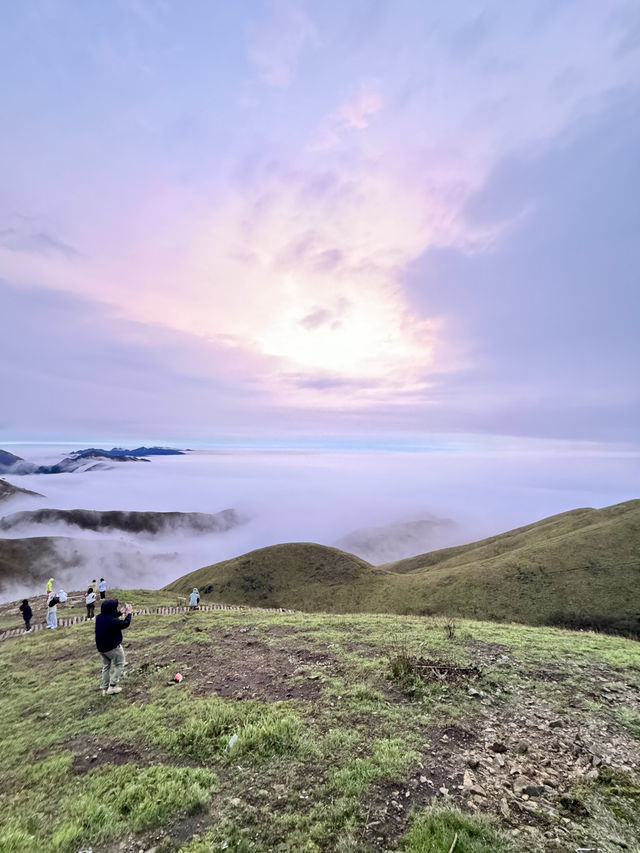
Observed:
{"x":244,"y":667}
{"x":89,"y":754}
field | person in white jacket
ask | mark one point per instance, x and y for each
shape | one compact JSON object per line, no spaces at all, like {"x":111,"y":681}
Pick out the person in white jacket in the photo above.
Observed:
{"x":52,"y":611}
{"x":90,"y":601}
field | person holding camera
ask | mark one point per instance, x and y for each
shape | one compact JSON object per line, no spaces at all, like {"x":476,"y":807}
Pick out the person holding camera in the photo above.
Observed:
{"x":109,"y":628}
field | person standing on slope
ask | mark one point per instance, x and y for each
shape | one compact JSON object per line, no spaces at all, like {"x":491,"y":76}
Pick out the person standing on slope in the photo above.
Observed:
{"x":90,"y":601}
{"x":102,"y":587}
{"x":194,"y":599}
{"x":52,"y":611}
{"x":50,"y":583}
{"x":27,"y":615}
{"x":109,"y":629}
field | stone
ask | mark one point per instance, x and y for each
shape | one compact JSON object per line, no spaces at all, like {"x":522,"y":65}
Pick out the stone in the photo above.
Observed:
{"x":534,"y":790}
{"x":520,"y":783}
{"x":498,"y":747}
{"x":467,"y":781}
{"x":473,"y":763}
{"x":555,"y":724}
{"x":478,"y":790}
{"x":522,"y":747}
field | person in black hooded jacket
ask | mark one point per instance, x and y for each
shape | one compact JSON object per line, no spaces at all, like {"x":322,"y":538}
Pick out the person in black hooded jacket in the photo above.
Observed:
{"x":27,"y":615}
{"x":109,"y":627}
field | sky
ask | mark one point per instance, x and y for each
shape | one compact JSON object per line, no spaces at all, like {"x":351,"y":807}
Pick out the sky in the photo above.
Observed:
{"x":374,"y":220}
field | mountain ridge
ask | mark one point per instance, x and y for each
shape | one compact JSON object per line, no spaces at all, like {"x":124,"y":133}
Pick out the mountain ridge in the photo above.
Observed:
{"x":580,"y":568}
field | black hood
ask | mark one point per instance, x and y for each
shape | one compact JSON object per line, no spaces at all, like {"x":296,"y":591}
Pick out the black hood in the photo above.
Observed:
{"x":110,"y":607}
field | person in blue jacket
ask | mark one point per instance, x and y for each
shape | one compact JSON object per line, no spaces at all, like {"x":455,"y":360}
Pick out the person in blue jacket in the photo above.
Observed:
{"x":109,"y":627}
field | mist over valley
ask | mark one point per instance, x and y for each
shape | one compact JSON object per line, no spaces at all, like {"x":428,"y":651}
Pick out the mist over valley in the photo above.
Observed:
{"x":145,"y":525}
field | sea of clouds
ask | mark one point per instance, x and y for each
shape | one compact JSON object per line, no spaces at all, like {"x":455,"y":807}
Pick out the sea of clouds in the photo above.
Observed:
{"x":314,"y":495}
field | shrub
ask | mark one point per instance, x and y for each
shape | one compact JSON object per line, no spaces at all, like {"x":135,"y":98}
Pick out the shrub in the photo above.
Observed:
{"x":405,"y":674}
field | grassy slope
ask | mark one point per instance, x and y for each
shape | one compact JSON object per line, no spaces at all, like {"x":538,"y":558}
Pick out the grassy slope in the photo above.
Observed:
{"x":584,"y":564}
{"x":349,"y":764}
{"x":296,"y":575}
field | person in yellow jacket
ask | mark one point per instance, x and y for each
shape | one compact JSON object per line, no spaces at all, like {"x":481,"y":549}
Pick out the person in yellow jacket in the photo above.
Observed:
{"x":50,"y":583}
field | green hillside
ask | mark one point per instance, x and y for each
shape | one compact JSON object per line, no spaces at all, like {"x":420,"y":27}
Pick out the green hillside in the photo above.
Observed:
{"x":316,"y":733}
{"x":299,"y":575}
{"x":580,"y":568}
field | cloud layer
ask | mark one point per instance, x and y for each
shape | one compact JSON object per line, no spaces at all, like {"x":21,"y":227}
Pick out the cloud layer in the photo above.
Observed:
{"x":286,"y":217}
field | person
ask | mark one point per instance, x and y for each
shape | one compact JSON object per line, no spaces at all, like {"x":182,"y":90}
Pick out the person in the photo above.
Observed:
{"x":90,"y":601}
{"x":109,"y":628}
{"x":52,"y":611}
{"x":194,"y":599}
{"x":27,"y":615}
{"x":102,"y":587}
{"x":50,"y":583}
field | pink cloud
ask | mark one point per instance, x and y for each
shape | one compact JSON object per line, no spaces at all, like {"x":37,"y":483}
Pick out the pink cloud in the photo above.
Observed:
{"x":356,"y":112}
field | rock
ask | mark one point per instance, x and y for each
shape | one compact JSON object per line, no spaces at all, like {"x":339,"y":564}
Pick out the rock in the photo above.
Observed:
{"x":574,"y":806}
{"x":534,"y":790}
{"x":473,"y":763}
{"x":235,"y":801}
{"x":423,"y":779}
{"x":498,"y":747}
{"x":479,"y":790}
{"x":555,"y":724}
{"x":520,"y":783}
{"x":467,"y":781}
{"x":522,"y":747}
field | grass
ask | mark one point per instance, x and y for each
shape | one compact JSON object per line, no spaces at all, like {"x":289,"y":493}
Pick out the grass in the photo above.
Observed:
{"x":259,"y":732}
{"x":630,"y":720}
{"x":114,"y":801}
{"x":310,"y":773}
{"x":435,"y":831}
{"x":388,"y":759}
{"x":580,"y":569}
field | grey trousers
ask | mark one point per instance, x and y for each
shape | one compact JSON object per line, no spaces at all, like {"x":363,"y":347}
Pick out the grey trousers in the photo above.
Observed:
{"x":113,"y":664}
